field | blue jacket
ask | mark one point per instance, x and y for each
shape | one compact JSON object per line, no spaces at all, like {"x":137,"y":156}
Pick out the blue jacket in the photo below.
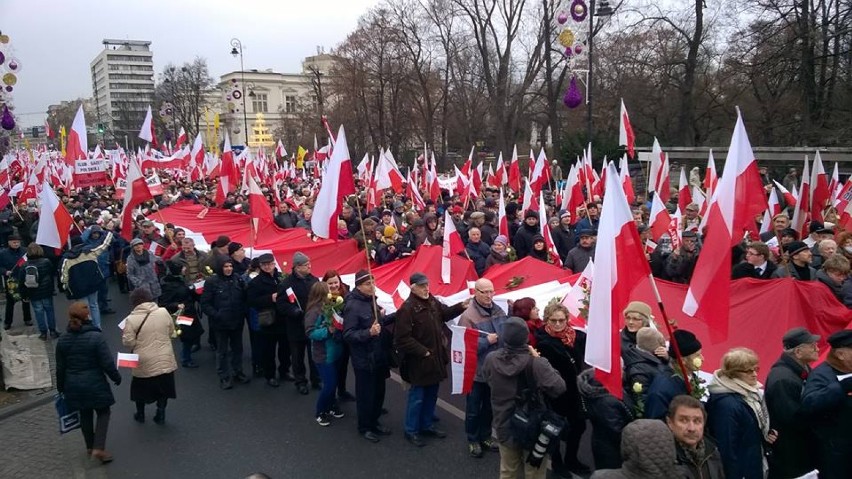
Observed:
{"x":81,"y":273}
{"x":9,"y":259}
{"x":663,"y":389}
{"x":88,"y":242}
{"x":734,"y":426}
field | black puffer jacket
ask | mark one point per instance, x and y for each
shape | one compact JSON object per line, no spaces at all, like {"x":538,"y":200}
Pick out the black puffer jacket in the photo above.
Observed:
{"x":293,"y":313}
{"x":259,"y":295}
{"x":608,"y":416}
{"x":45,"y":279}
{"x":83,"y":363}
{"x":224,"y":301}
{"x":367,"y":352}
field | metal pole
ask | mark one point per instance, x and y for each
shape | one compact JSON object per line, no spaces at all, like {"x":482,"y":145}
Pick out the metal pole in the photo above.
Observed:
{"x":589,"y":79}
{"x":245,"y":115}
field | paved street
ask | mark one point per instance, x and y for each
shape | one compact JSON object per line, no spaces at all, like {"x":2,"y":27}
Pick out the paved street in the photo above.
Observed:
{"x":229,"y":434}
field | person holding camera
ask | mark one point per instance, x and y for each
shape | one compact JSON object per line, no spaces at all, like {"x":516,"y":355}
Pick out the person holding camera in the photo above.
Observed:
{"x":502,"y":371}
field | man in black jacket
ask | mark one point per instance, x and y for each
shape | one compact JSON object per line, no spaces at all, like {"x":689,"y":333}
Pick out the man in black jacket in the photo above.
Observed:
{"x":290,"y":303}
{"x":522,"y":240}
{"x":363,"y":321}
{"x":563,"y":235}
{"x":756,"y":265}
{"x":9,"y":268}
{"x":224,"y":302}
{"x":262,"y":293}
{"x":793,"y":453}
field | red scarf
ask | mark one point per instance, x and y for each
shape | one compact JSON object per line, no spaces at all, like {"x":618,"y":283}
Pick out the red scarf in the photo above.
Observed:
{"x":567,"y":335}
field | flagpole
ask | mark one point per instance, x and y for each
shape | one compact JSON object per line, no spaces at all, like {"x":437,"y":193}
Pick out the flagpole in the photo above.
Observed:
{"x":367,"y":254}
{"x":670,"y":329}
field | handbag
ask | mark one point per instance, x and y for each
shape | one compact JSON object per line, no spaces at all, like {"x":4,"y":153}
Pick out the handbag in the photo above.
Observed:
{"x":531,"y":413}
{"x":68,"y":420}
{"x":140,"y":327}
{"x":266,"y":317}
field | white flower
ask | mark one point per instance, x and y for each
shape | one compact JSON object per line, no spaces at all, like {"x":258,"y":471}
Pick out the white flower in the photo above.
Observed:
{"x":697,"y":362}
{"x":637,"y":388}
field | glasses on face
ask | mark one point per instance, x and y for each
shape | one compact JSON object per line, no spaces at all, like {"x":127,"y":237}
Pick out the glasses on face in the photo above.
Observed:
{"x":753,"y":370}
{"x":557,"y":320}
{"x":752,"y":253}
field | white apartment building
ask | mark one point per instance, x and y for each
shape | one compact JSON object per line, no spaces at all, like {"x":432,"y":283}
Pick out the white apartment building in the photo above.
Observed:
{"x":123,"y":86}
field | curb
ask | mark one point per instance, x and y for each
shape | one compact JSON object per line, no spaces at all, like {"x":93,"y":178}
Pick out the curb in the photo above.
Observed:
{"x":24,"y":406}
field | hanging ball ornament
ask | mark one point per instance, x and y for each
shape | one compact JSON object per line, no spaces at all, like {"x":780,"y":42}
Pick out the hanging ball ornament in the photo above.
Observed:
{"x":7,"y":121}
{"x":562,"y":18}
{"x":566,"y":38}
{"x":9,"y":88}
{"x":573,"y":97}
{"x":578,"y":48}
{"x":2,"y":58}
{"x":10,"y":79}
{"x":569,"y":52}
{"x":14,"y":65}
{"x":579,"y":10}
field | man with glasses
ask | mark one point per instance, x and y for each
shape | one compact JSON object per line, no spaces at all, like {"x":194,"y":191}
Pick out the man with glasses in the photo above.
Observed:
{"x":793,"y":453}
{"x":756,"y":265}
{"x":482,"y":314}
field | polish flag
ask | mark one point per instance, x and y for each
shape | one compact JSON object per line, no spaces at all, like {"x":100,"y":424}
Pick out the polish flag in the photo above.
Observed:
{"x":700,"y":200}
{"x":773,"y":209}
{"x":577,"y":294}
{"x":452,"y":245}
{"x":620,"y":265}
{"x":185,"y":320}
{"x":434,"y":186}
{"x":261,"y":212}
{"x":198,"y":286}
{"x":514,"y":171}
{"x":135,"y":194}
{"x":125,"y":360}
{"x":499,"y":179}
{"x":529,"y":202}
{"x":658,"y":177}
{"x":280,"y":152}
{"x":336,"y":319}
{"x":468,"y":165}
{"x":626,"y":137}
{"x":197,"y":153}
{"x":55,"y":222}
{"x":412,"y":192}
{"x":229,"y":174}
{"x":291,"y":295}
{"x":545,"y":232}
{"x":738,"y":199}
{"x":789,"y":198}
{"x":463,"y":347}
{"x":48,"y":132}
{"x":502,"y":221}
{"x":387,"y":174}
{"x":844,"y":206}
{"x":684,"y":195}
{"x":476,"y":178}
{"x":181,"y":139}
{"x":538,"y":178}
{"x":573,"y":199}
{"x":77,"y":147}
{"x":835,"y":186}
{"x":147,"y":130}
{"x":626,"y":181}
{"x":843,"y":196}
{"x":659,"y":219}
{"x":820,"y":193}
{"x":329,"y":202}
{"x":711,"y":179}
{"x":802,"y":213}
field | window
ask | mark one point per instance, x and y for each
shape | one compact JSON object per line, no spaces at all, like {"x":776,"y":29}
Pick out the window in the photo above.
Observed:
{"x":289,"y":104}
{"x":259,"y":103}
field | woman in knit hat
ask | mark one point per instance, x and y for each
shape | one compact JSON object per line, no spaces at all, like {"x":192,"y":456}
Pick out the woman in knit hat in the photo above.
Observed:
{"x":499,"y":252}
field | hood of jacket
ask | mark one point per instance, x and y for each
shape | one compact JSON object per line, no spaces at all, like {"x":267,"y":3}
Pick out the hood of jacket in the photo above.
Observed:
{"x":589,"y":386}
{"x":648,"y":449}
{"x":510,"y":362}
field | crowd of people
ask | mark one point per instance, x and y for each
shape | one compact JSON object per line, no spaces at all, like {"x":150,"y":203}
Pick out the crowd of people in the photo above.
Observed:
{"x":310,"y":330}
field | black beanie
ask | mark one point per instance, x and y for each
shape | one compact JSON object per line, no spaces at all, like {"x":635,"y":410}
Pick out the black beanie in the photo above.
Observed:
{"x":686,"y":341}
{"x":531,"y":214}
{"x":515,"y":333}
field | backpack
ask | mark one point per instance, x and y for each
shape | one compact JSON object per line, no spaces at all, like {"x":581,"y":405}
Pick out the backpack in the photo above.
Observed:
{"x":532,"y":412}
{"x":31,"y":276}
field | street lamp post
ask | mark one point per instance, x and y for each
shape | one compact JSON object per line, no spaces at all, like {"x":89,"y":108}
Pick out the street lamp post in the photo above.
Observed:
{"x":605,"y":10}
{"x":237,"y":50}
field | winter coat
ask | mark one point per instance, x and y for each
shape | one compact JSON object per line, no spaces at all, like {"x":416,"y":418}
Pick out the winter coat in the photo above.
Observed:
{"x":833,"y":286}
{"x":608,"y":416}
{"x":709,"y":467}
{"x":495,"y":258}
{"x":734,"y":426}
{"x":175,"y":292}
{"x":747,"y":270}
{"x":568,"y":362}
{"x":477,"y":317}
{"x":563,"y":239}
{"x":9,"y":259}
{"x":293,"y":314}
{"x":642,"y":367}
{"x":661,"y":392}
{"x":501,"y":371}
{"x":286,"y":220}
{"x":141,"y":273}
{"x":89,"y":242}
{"x":522,"y":240}
{"x":648,"y":451}
{"x":788,"y":271}
{"x":366,"y":352}
{"x":81,"y":274}
{"x":259,"y":297}
{"x":478,"y":253}
{"x":152,"y":341}
{"x":326,"y":346}
{"x":794,"y":452}
{"x":224,"y":302}
{"x":827,"y":403}
{"x":83,"y":364}
{"x":679,"y":267}
{"x":194,"y":265}
{"x":45,"y":273}
{"x":577,"y":259}
{"x":419,"y":329}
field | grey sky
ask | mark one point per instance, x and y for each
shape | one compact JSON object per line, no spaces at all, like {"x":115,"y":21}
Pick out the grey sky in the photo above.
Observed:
{"x":56,"y":40}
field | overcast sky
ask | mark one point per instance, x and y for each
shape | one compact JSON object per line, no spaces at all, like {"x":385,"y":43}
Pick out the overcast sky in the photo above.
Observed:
{"x":56,"y":43}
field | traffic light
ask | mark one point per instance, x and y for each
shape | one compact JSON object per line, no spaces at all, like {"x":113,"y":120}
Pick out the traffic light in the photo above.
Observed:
{"x":101,"y":128}
{"x":35,"y":132}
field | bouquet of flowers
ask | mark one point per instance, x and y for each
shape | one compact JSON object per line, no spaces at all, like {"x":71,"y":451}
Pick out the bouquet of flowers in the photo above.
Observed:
{"x":331,"y":311}
{"x":175,"y":316}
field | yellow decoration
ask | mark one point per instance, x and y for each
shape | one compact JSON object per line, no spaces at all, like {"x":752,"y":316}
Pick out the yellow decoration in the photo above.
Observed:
{"x":300,"y":157}
{"x":10,"y":79}
{"x":260,"y":135}
{"x":566,"y":38}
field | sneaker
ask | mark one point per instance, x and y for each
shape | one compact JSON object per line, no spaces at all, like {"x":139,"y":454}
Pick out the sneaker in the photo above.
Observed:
{"x":415,"y":439}
{"x":474,"y":449}
{"x":54,"y":334}
{"x":272,"y":382}
{"x":490,"y":444}
{"x":434,"y":432}
{"x":226,"y":383}
{"x":336,"y":413}
{"x":322,"y":420}
{"x":43,"y":336}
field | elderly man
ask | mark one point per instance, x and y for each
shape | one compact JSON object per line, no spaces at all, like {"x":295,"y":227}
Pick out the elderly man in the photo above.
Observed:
{"x":822,"y":251}
{"x":818,"y":232}
{"x":827,"y":404}
{"x":285,"y":218}
{"x":697,"y":454}
{"x":579,"y":256}
{"x":799,"y":265}
{"x":691,"y":219}
{"x":292,"y":310}
{"x":793,"y":453}
{"x":9,"y":260}
{"x":483,"y":315}
{"x":780,"y":222}
{"x":681,"y":263}
{"x":756,"y":265}
{"x":424,"y":355}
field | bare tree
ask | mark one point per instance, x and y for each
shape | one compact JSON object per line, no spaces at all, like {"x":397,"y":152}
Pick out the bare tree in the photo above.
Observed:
{"x":185,"y":87}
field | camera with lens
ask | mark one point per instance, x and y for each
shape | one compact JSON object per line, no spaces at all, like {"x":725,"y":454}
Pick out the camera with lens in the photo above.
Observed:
{"x":549,"y":432}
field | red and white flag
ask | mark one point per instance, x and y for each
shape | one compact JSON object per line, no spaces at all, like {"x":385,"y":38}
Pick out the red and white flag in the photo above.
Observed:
{"x":135,"y":194}
{"x":577,"y":294}
{"x":387,"y":174}
{"x":738,"y":199}
{"x":515,"y":171}
{"x":545,"y":233}
{"x":77,"y":147}
{"x":658,"y":177}
{"x":452,"y":245}
{"x":626,"y":138}
{"x":802,"y":212}
{"x":147,"y":130}
{"x":834,"y":185}
{"x":773,"y":209}
{"x":261,"y":212}
{"x":55,"y":222}
{"x":291,"y":295}
{"x":125,"y":360}
{"x":463,"y":358}
{"x":820,"y":193}
{"x":659,"y":219}
{"x":185,"y":320}
{"x":502,"y":220}
{"x":339,"y":185}
{"x":711,"y":179}
{"x":626,"y":181}
{"x":789,"y":198}
{"x":684,"y":195}
{"x":198,"y":286}
{"x":620,"y":265}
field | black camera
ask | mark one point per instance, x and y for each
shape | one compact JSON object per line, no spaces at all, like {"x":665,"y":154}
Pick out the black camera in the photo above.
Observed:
{"x":548,"y":431}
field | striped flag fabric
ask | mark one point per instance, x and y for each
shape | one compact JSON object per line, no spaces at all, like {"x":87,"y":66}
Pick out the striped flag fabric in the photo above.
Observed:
{"x":463,"y":358}
{"x":127,"y":360}
{"x":185,"y":320}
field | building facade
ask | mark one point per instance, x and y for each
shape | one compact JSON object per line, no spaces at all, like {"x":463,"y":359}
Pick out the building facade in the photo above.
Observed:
{"x":123,"y":86}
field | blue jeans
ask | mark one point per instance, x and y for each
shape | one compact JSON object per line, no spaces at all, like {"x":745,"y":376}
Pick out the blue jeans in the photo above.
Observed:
{"x":185,"y":352}
{"x":45,"y":317}
{"x":94,"y":309}
{"x":478,"y":414}
{"x":328,"y":376}
{"x":420,"y":408}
